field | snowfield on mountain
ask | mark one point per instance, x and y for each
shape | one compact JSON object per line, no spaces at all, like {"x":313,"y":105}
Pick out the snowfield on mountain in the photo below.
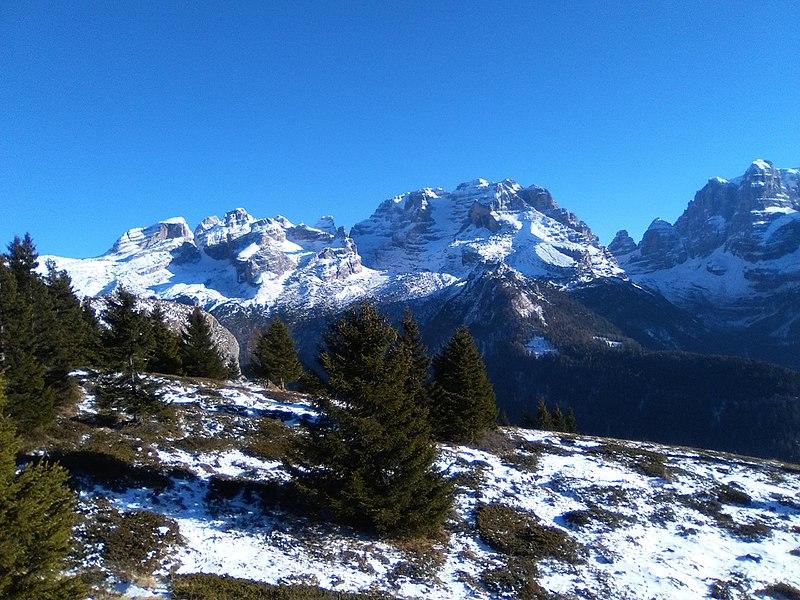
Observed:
{"x":608,"y":518}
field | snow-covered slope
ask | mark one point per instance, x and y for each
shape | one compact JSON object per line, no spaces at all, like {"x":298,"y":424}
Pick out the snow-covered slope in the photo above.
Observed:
{"x":647,"y":521}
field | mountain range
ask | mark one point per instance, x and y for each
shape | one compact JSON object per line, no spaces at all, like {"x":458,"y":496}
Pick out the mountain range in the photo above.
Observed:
{"x":528,"y":277}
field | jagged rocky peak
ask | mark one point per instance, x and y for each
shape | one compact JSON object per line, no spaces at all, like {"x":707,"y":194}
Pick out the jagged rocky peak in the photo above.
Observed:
{"x":143,"y":238}
{"x":661,"y":246}
{"x":326,"y":224}
{"x":477,"y":225}
{"x":622,"y":244}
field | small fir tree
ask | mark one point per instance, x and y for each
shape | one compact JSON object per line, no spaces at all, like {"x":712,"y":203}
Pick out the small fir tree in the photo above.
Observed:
{"x":199,"y":354}
{"x":166,"y":353}
{"x":559,"y":423}
{"x":369,"y":457}
{"x":234,"y":372}
{"x":570,"y":422}
{"x":544,"y":420}
{"x":463,"y":405}
{"x":419,"y":376}
{"x":276,"y":356}
{"x":36,"y":520}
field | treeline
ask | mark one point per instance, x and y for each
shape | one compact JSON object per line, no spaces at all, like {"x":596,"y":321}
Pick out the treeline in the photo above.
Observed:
{"x":718,"y":402}
{"x":46,"y":333}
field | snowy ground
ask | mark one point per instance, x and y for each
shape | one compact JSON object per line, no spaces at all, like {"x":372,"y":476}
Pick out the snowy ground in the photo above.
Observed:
{"x":647,"y":536}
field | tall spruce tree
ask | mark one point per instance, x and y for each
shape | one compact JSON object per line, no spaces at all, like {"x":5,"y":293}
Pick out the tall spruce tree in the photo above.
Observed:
{"x":276,"y":356}
{"x":570,"y":422}
{"x":463,"y":405}
{"x":166,"y":345}
{"x":199,"y":354}
{"x":36,"y":519}
{"x":419,"y":374}
{"x":128,"y":345}
{"x":369,"y":457}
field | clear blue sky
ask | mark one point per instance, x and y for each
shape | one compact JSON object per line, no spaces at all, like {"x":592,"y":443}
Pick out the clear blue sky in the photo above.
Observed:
{"x":118,"y":114}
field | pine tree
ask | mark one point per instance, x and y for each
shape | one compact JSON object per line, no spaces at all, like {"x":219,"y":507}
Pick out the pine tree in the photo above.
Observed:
{"x":544,"y":420}
{"x":276,"y":356}
{"x":166,"y":344}
{"x":233,"y":370}
{"x":419,"y":378}
{"x":22,"y":257}
{"x":36,"y":519}
{"x":369,"y":458}
{"x":199,"y":354}
{"x":463,"y":404}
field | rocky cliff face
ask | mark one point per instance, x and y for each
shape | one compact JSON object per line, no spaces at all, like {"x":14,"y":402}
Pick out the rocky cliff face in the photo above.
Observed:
{"x":733,"y":257}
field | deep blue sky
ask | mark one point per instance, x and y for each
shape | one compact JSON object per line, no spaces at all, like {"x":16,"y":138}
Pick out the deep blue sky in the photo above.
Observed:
{"x":115,"y":115}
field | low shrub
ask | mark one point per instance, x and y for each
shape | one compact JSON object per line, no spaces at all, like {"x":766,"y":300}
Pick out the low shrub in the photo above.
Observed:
{"x":782,"y":591}
{"x":517,"y":533}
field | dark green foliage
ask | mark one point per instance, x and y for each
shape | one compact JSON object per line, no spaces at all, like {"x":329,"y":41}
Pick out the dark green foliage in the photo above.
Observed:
{"x":214,"y":587}
{"x":199,"y":354}
{"x":232,"y":370}
{"x":544,"y":420}
{"x":547,"y":420}
{"x":369,"y":458}
{"x":129,"y":345}
{"x":36,"y":519}
{"x":31,"y":402}
{"x":166,"y":350}
{"x":419,"y":374}
{"x":516,"y":533}
{"x":71,"y":330}
{"x":276,"y":356}
{"x":463,"y":405}
{"x":720,"y":402}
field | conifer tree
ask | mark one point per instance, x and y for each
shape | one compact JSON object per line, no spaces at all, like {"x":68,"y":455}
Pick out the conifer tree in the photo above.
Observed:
{"x":70,"y":332}
{"x":166,"y":344}
{"x":419,"y":376}
{"x":559,"y":424}
{"x":36,"y":519}
{"x":276,"y":356}
{"x":369,"y":458}
{"x":544,"y":420}
{"x":570,"y":423}
{"x":199,"y":354}
{"x":128,"y":346}
{"x":463,"y":405}
{"x":233,"y":371}
{"x":31,"y":403}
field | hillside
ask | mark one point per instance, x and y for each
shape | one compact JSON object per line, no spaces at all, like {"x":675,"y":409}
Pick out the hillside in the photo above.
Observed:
{"x":538,"y":515}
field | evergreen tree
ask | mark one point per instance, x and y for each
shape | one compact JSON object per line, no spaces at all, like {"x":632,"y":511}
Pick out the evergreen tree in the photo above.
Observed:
{"x":22,"y":257}
{"x":233,"y":370}
{"x":276,"y":356}
{"x":199,"y":354}
{"x":128,"y":345}
{"x":558,"y":419}
{"x":570,"y":423}
{"x":36,"y":519}
{"x":463,"y":404}
{"x":166,"y":353}
{"x":527,"y":421}
{"x":544,"y":420}
{"x":31,"y":403}
{"x":70,"y":332}
{"x":419,"y":375}
{"x":369,"y":457}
